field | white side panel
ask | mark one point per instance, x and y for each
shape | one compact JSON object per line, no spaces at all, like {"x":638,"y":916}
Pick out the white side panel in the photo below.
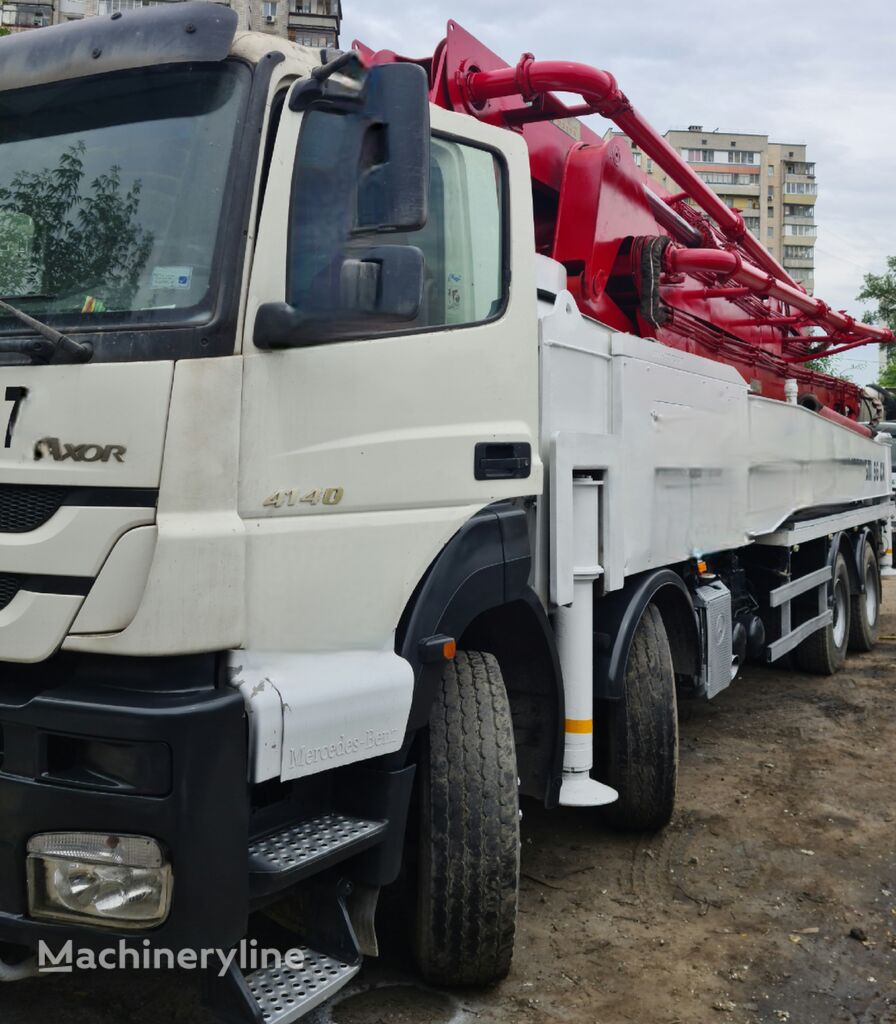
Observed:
{"x":691,"y":462}
{"x":337,"y":708}
{"x":685,"y":433}
{"x":74,"y":542}
{"x":122,"y":404}
{"x":31,"y":625}
{"x":118,"y":590}
{"x":799,"y":460}
{"x":194,"y":598}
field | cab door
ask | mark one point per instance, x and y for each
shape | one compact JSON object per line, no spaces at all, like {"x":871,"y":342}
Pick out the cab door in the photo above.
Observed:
{"x":364,"y":452}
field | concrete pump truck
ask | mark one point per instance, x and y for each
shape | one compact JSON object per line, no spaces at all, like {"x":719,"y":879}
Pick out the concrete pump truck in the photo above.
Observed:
{"x":379,"y":446}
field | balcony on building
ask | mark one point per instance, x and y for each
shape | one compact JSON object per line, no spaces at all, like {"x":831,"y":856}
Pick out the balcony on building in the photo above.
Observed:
{"x":799,"y":234}
{"x":800,"y":193}
{"x":315,"y":22}
{"x":71,"y":10}
{"x":805,"y":277}
{"x":729,"y":183}
{"x":19,"y":16}
{"x":799,"y":213}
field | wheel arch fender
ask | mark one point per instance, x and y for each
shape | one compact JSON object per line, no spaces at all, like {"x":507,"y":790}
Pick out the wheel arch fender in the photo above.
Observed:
{"x":477,"y":592}
{"x":617,"y":616}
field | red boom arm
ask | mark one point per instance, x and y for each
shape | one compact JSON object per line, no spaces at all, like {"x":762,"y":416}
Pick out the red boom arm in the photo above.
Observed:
{"x":682,"y":268}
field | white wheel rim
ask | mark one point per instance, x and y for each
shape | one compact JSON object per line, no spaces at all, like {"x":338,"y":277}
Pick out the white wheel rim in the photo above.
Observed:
{"x":839,"y":624}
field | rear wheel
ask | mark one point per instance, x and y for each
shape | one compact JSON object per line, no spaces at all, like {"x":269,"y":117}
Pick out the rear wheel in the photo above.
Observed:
{"x":824,"y":652}
{"x":469,"y":857}
{"x":864,"y":626}
{"x":638,"y":738}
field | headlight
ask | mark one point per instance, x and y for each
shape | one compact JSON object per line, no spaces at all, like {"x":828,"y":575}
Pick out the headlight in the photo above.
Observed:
{"x":111,"y":881}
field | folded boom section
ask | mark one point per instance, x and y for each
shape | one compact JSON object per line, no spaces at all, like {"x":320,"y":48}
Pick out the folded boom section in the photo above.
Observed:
{"x":682,"y":267}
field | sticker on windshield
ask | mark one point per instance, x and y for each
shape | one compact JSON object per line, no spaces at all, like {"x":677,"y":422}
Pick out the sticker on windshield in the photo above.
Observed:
{"x":168,"y":278}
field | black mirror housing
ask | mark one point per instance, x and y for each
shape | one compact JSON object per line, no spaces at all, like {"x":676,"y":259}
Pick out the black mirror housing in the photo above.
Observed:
{"x":393,"y":193}
{"x":362,"y":167}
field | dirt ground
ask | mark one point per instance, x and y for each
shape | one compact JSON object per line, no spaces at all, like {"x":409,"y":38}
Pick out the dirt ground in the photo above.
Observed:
{"x":771,"y":898}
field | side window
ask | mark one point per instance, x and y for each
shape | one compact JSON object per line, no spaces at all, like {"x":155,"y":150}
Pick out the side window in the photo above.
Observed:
{"x":462,"y":242}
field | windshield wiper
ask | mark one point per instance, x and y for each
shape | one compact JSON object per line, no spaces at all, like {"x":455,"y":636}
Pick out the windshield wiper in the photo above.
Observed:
{"x":43,"y":351}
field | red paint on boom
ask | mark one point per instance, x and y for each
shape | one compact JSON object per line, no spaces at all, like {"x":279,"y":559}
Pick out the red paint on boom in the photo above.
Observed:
{"x":681,"y":268}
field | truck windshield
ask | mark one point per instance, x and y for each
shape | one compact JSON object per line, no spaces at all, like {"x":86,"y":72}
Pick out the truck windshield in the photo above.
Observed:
{"x":111,"y":193}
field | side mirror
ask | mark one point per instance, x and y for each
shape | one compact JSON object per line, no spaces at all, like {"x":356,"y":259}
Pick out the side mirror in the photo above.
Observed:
{"x":362,"y":168}
{"x":393,"y":190}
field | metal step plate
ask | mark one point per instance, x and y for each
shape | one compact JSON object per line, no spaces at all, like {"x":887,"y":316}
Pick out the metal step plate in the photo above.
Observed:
{"x":286,"y":994}
{"x":301,"y":849}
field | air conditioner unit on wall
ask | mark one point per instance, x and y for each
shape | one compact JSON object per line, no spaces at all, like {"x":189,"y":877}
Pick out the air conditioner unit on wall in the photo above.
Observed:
{"x":270,"y":19}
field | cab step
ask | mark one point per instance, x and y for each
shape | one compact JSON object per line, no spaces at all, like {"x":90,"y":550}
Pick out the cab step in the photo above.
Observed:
{"x":282,"y":858}
{"x":279,"y":995}
{"x":285,"y":995}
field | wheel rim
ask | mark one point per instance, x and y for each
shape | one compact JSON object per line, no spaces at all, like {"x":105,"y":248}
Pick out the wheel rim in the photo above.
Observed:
{"x":871,"y":599}
{"x":839,"y":624}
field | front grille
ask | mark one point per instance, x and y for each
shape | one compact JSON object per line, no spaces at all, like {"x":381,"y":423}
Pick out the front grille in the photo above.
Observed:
{"x":10,"y":585}
{"x":25,"y":508}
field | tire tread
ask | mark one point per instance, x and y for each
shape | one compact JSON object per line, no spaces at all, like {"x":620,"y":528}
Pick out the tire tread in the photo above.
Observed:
{"x":863,"y":635}
{"x":642,"y":733}
{"x":469,"y":878}
{"x":817,"y":654}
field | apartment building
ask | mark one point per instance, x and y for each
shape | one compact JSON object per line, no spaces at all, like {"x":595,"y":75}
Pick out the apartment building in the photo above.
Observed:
{"x":309,"y":22}
{"x":771,"y":183}
{"x":16,"y":17}
{"x":315,"y":22}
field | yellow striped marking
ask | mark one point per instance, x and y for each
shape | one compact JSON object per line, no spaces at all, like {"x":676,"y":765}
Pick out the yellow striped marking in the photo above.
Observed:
{"x":579,"y":725}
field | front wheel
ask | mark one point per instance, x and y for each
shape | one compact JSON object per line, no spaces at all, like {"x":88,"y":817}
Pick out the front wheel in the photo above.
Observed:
{"x":864,"y":626}
{"x":469,"y":859}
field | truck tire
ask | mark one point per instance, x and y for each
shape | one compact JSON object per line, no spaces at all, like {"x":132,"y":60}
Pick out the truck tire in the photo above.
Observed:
{"x":824,"y":652}
{"x":638,"y":738}
{"x":864,"y":621}
{"x":469,"y":849}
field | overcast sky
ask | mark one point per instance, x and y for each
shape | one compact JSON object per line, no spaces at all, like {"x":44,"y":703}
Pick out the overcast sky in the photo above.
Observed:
{"x":813,"y":71}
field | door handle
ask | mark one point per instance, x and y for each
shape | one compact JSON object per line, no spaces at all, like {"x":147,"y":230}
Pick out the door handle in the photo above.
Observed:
{"x":502,"y":461}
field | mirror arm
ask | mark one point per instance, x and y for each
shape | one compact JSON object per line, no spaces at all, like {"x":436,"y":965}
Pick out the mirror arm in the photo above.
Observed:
{"x":320,"y":89}
{"x":350,"y":59}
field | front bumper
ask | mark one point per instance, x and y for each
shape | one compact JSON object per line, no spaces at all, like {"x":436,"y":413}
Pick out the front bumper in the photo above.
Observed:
{"x":174,"y":756}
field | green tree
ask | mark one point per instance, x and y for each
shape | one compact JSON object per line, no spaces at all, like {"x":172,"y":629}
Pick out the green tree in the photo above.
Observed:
{"x":828,"y":365}
{"x":881,"y":289}
{"x":79,"y":239}
{"x":887,"y":377}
